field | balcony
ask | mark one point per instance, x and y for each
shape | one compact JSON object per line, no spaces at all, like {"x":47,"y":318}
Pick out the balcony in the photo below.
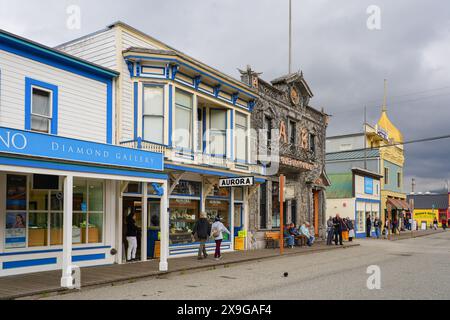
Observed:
{"x":196,"y":158}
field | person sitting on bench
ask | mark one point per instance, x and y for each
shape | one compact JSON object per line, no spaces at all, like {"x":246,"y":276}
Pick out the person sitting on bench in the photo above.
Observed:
{"x":305,"y":231}
{"x":290,"y":238}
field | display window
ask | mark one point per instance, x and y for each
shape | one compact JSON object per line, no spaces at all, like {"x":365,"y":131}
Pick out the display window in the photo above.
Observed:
{"x":188,"y":188}
{"x":275,"y":205}
{"x":219,"y":192}
{"x":34,"y":216}
{"x":183,"y":215}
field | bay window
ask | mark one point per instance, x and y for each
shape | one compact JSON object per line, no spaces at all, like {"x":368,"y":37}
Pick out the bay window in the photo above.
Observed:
{"x":182,"y":135}
{"x":153,"y":114}
{"x":241,"y":137}
{"x":218,"y":132}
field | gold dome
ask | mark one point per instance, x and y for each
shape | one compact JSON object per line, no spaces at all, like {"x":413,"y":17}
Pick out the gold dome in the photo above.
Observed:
{"x":392,"y":131}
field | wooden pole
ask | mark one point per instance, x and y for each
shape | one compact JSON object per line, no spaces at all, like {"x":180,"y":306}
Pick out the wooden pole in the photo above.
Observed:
{"x":281,"y":214}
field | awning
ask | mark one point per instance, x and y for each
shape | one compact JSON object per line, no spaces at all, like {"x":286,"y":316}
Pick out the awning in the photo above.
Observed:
{"x":398,"y":204}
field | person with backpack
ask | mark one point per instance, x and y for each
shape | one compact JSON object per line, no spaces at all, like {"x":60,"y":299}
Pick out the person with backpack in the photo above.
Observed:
{"x":217,"y":230}
{"x":201,"y":233}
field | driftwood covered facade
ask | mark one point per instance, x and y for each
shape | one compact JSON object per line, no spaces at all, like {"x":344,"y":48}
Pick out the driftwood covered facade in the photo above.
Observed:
{"x":283,"y":112}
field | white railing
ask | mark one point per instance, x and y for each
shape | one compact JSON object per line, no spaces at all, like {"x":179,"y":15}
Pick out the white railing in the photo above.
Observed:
{"x":193,"y":158}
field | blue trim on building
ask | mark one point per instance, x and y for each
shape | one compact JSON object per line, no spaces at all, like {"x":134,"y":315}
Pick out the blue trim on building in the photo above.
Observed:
{"x":136,"y":103}
{"x":204,"y":129}
{"x":28,"y":263}
{"x":8,"y":254}
{"x":170,"y":114}
{"x":78,"y":168}
{"x":29,"y":84}
{"x":232,"y":135}
{"x":89,"y":257}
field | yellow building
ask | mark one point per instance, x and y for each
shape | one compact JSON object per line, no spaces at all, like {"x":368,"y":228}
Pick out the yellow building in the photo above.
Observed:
{"x":389,"y":139}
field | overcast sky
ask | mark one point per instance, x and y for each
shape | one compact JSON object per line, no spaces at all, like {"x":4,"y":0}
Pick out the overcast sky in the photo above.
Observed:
{"x":343,"y":61}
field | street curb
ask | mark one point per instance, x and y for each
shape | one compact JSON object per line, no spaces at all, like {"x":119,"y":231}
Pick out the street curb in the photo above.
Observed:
{"x":184,"y":271}
{"x":412,"y":236}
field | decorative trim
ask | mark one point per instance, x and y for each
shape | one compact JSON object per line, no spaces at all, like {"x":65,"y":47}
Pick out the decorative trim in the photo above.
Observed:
{"x":89,"y":257}
{"x":136,"y":106}
{"x":170,"y":114}
{"x":217,"y":90}
{"x":197,"y":82}
{"x":28,"y":263}
{"x":174,"y":69}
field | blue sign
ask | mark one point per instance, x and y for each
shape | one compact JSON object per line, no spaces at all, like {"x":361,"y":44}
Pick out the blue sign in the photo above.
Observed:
{"x":368,"y":185}
{"x":48,"y":146}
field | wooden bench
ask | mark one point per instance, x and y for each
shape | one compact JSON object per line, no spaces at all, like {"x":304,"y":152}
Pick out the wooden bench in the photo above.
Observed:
{"x":272,"y":239}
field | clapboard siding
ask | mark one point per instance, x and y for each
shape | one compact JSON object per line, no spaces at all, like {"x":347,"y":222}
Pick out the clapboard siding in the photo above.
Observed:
{"x":99,"y":48}
{"x":81,"y":101}
{"x":127,"y":115}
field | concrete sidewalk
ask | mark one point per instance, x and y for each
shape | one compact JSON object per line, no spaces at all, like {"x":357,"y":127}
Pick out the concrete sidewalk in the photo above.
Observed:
{"x":414,"y":234}
{"x":47,"y":283}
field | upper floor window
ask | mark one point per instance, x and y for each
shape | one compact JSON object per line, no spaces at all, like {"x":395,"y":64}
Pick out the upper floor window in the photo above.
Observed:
{"x":399,"y":179}
{"x":41,"y":110}
{"x":292,"y":132}
{"x":200,"y":129}
{"x":182,"y":135}
{"x":312,"y":143}
{"x":153,"y":114}
{"x":218,"y":132}
{"x":41,"y":106}
{"x":241,"y":135}
{"x":268,"y":129}
{"x":386,"y":175}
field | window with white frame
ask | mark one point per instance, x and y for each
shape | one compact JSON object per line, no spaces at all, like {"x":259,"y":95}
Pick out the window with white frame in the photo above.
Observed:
{"x":153,"y":114}
{"x":218,"y":132}
{"x":41,"y":110}
{"x":241,"y":135}
{"x":199,"y":129}
{"x":182,"y":135}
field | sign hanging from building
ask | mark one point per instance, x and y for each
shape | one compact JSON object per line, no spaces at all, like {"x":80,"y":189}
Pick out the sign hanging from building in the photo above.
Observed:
{"x":237,"y":182}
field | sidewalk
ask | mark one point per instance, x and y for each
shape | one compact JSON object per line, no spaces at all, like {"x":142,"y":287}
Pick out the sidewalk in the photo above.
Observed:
{"x":48,"y":282}
{"x":414,"y":234}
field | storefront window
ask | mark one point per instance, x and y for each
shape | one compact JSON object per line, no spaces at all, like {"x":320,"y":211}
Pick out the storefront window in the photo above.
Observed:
{"x":16,"y":193}
{"x":188,"y":188}
{"x":134,"y":188}
{"x":44,"y":214}
{"x":37,"y":229}
{"x":238,"y":194}
{"x":220,"y":192}
{"x":219,"y":208}
{"x":87,"y":211}
{"x":183,"y":215}
{"x":56,"y":228}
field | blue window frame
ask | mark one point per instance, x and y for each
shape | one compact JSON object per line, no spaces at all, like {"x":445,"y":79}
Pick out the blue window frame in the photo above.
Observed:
{"x":34,"y":88}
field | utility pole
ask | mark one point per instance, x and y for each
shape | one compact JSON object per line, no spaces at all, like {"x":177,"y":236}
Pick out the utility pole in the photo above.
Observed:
{"x":365,"y":138}
{"x":290,"y":36}
{"x":281,"y":190}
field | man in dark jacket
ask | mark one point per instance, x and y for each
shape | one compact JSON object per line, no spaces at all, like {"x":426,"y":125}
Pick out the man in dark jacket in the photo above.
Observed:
{"x":202,"y":231}
{"x":337,"y":227}
{"x":368,"y":226}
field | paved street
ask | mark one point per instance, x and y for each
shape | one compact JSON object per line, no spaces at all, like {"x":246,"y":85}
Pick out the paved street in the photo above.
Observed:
{"x":410,"y":269}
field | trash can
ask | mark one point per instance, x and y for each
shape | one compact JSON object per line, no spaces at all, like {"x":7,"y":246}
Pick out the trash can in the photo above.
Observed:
{"x":152,"y":237}
{"x":345,"y":235}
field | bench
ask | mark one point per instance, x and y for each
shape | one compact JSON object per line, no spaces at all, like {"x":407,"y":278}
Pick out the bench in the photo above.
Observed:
{"x":272,"y":239}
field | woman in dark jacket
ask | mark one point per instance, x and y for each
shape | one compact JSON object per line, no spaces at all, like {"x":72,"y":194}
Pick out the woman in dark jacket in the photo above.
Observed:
{"x":132,"y":231}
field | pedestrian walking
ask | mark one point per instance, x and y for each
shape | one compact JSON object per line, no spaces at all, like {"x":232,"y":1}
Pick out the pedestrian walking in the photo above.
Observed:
{"x":131,"y":234}
{"x":217,"y":230}
{"x":330,"y":231}
{"x":368,"y":226}
{"x":337,"y":227}
{"x":435,"y":224}
{"x":377,"y":226}
{"x":201,"y":233}
{"x":394,"y":226}
{"x":444,"y":224}
{"x":386,"y":228}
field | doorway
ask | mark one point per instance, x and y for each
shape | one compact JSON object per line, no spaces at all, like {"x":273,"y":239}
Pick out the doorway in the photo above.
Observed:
{"x":316,"y":212}
{"x":131,"y":204}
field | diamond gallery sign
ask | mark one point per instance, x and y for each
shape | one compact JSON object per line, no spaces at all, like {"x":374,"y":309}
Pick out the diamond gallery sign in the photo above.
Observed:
{"x":236,"y":182}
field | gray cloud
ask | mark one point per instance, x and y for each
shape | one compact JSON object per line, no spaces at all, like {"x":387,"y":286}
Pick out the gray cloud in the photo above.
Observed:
{"x":343,"y":61}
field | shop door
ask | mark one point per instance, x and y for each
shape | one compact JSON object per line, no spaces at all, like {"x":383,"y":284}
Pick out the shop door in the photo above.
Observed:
{"x":131,"y":204}
{"x":238,"y":218}
{"x":153,"y":228}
